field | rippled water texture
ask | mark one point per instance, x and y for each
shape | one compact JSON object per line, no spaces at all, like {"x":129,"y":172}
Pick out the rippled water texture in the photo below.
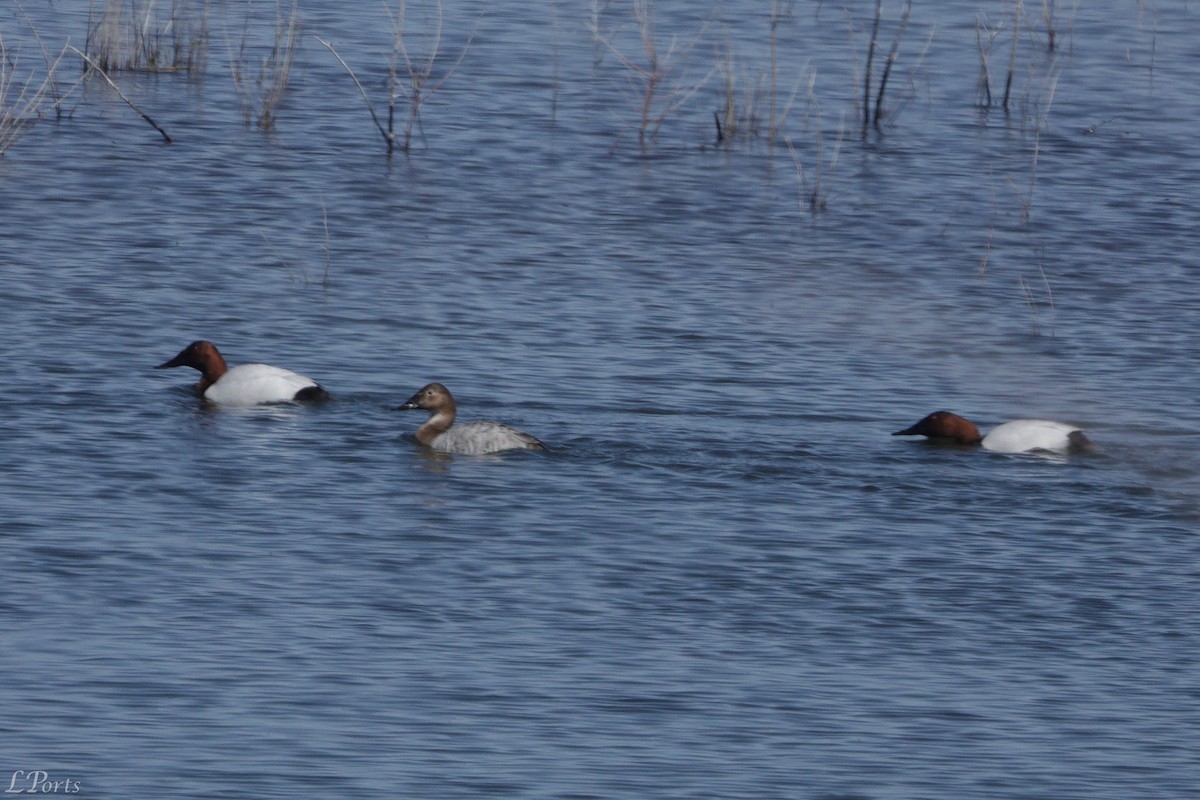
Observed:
{"x":725,"y":579}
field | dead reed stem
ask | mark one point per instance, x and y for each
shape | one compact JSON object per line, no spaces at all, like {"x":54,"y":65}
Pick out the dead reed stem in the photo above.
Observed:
{"x":51,"y":62}
{"x":140,"y":40}
{"x":658,"y":96}
{"x":262,"y":99}
{"x":384,"y":132}
{"x":772,"y":125}
{"x":866,"y":107}
{"x":1037,"y":138}
{"x":891,"y":59}
{"x":166,"y":137}
{"x":1012,"y":58}
{"x":16,"y":113}
{"x":815,"y":195}
{"x":1048,"y":18}
{"x":984,"y":91}
{"x":1033,"y":303}
{"x":419,"y":85}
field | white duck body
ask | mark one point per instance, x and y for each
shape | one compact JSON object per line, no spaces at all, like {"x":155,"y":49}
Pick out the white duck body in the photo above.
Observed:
{"x":1024,"y":435}
{"x":255,"y":384}
{"x":1018,"y":436}
{"x":244,"y":385}
{"x":468,"y":438}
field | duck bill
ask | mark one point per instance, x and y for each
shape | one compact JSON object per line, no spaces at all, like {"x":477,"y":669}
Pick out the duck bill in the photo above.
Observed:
{"x":410,"y":404}
{"x":177,"y":361}
{"x":911,"y":430}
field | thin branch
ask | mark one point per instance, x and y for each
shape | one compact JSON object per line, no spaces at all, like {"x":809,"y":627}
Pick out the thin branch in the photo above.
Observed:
{"x":117,"y":89}
{"x":870,"y":57}
{"x":388,"y":138}
{"x":1012,"y":57}
{"x":891,"y":59}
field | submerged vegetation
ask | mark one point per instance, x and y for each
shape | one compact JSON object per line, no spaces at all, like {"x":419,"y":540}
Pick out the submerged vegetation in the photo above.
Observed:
{"x":759,"y":98}
{"x":417,"y":82}
{"x":22,"y":94}
{"x":143,"y":35}
{"x":657,"y":76}
{"x":261,"y":89}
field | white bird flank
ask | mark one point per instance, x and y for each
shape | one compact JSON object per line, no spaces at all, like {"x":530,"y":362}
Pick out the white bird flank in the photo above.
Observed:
{"x":244,"y":385}
{"x":467,"y":438}
{"x":1018,"y":436}
{"x":1024,"y":435}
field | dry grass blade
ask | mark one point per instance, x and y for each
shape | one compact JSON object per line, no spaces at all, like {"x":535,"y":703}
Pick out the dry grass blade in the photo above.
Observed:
{"x":262,"y":99}
{"x":16,"y":112}
{"x":132,"y":35}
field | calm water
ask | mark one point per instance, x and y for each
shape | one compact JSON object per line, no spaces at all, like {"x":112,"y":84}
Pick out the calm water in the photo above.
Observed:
{"x":726,"y":580}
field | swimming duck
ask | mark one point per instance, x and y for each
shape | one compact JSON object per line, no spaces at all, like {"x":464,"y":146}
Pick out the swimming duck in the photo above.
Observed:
{"x":245,"y":384}
{"x":470,"y":438}
{"x":1018,"y":436}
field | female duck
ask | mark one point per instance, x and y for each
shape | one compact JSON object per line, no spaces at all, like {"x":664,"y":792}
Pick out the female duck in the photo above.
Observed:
{"x":470,"y":438}
{"x":1018,"y":436}
{"x":245,"y":384}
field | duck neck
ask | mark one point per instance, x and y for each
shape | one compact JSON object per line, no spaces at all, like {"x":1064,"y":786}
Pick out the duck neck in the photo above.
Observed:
{"x":435,"y":426}
{"x":211,"y":371}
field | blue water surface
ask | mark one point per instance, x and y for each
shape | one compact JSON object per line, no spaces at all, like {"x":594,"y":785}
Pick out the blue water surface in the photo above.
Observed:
{"x":725,"y":579}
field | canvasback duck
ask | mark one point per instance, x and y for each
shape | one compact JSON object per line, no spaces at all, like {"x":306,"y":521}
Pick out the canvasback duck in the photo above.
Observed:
{"x":1018,"y":436}
{"x":245,"y":384}
{"x":469,"y":438}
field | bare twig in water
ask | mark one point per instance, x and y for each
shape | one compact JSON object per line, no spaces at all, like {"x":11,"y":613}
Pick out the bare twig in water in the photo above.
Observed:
{"x":773,"y":124}
{"x":51,"y":63}
{"x":166,"y":137}
{"x":1027,"y":201}
{"x":744,"y":116}
{"x":418,"y":86}
{"x":1049,"y":294}
{"x":658,"y":97}
{"x":815,"y":195}
{"x":16,"y":113}
{"x":387,"y":135}
{"x":1048,"y":18}
{"x":872,"y":116}
{"x":984,"y":91}
{"x":261,"y":101}
{"x":141,"y":40}
{"x":1037,"y":138}
{"x":1012,"y":58}
{"x":891,"y":59}
{"x":1031,"y":303}
{"x":866,"y":107}
{"x":554,"y":81}
{"x":1034,"y":303}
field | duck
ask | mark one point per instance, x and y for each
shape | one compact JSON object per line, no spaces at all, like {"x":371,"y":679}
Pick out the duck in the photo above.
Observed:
{"x":1017,"y":436}
{"x":245,"y":384}
{"x":468,"y":438}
